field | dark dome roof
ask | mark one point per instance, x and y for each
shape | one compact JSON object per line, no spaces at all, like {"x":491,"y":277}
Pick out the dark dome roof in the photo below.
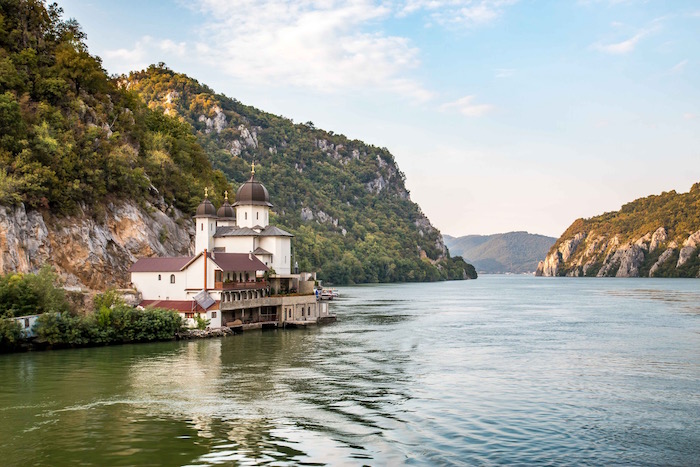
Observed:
{"x":206,"y":209}
{"x":226,"y":211}
{"x":252,"y":192}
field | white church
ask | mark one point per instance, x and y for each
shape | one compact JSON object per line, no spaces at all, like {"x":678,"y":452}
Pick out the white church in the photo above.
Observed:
{"x":241,"y":274}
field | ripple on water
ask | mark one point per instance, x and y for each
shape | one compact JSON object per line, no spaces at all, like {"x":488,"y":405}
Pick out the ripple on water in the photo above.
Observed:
{"x":503,"y":370}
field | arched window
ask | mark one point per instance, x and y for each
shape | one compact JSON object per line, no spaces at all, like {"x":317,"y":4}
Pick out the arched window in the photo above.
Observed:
{"x":257,"y":215}
{"x":202,"y":226}
{"x":158,"y":276}
{"x":246,"y":216}
{"x":172,"y":278}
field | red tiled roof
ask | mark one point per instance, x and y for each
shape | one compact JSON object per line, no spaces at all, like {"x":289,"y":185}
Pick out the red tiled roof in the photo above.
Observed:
{"x":238,"y":262}
{"x":160,"y":264}
{"x":182,"y":306}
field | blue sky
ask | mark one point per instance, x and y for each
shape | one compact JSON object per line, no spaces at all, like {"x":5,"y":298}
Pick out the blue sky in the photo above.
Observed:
{"x":503,"y":114}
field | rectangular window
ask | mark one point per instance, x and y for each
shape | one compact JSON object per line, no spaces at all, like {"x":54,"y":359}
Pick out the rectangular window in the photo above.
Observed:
{"x":213,"y":314}
{"x":257,"y":215}
{"x":189,"y":315}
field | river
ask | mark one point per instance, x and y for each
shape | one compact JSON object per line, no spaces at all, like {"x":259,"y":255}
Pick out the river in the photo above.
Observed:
{"x":501,"y":370}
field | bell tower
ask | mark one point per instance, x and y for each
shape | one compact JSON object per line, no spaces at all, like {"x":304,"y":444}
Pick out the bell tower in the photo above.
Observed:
{"x":205,"y":225}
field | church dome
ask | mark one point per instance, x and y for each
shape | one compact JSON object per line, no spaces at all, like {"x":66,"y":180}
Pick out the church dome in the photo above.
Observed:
{"x":226,"y":211}
{"x":206,"y":209}
{"x":252,"y":192}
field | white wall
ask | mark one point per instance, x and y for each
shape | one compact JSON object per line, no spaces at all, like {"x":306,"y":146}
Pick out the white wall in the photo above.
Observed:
{"x":236,"y":244}
{"x":204,"y":236}
{"x":195,"y":274}
{"x":250,"y":215}
{"x":152,"y":288}
{"x":215,"y":322}
{"x":281,"y":249}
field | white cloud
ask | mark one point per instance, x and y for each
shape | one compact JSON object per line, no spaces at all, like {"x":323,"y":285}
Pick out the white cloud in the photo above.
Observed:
{"x":690,"y":116}
{"x":325,"y":45}
{"x":618,"y":48}
{"x":458,"y":12}
{"x":467,"y":107}
{"x":124,"y":60}
{"x":679,"y":67}
{"x":174,"y":48}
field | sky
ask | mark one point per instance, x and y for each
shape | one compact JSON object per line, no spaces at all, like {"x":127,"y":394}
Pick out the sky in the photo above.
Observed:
{"x":503,"y":114}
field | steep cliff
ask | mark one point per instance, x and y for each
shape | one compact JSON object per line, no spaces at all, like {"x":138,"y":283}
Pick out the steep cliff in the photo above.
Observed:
{"x":90,"y":249}
{"x":344,"y":200}
{"x":657,"y":236}
{"x":96,"y":171}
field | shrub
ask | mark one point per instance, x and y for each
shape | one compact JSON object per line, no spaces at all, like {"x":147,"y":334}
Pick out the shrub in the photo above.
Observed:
{"x":119,"y":323}
{"x":10,"y":335}
{"x":30,"y":294}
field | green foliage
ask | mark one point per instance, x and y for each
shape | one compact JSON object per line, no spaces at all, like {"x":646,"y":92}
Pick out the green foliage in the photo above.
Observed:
{"x":119,"y":323}
{"x":69,"y":135}
{"x":678,"y":213}
{"x":30,"y":294}
{"x":201,"y":323}
{"x":10,"y":335}
{"x":365,"y":234}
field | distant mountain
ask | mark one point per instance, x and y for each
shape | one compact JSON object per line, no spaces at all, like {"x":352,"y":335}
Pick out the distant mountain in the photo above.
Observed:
{"x":656,"y":236}
{"x":515,"y":252}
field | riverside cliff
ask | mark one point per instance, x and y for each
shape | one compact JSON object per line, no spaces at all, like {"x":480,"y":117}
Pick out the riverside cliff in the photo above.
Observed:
{"x":87,"y":251}
{"x":656,"y":236}
{"x":96,"y":171}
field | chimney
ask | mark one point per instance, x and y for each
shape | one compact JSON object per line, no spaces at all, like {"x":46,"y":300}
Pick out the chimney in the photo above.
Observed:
{"x":205,"y":269}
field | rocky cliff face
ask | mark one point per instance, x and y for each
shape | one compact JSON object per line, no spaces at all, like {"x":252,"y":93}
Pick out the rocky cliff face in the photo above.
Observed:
{"x":653,"y":254}
{"x":91,"y":249}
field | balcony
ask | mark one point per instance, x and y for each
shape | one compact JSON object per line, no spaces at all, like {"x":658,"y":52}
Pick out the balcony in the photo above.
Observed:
{"x":249,"y":285}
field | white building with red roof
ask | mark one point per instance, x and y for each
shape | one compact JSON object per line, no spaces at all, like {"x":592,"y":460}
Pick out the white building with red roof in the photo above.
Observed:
{"x":241,"y":272}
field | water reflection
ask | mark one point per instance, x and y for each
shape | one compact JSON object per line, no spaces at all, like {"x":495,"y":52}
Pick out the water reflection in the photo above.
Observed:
{"x":496,"y":371}
{"x":272,"y":396}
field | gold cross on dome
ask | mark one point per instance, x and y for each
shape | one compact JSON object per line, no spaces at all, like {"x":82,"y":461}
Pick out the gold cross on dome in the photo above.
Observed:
{"x":253,"y":168}
{"x":226,"y":195}
{"x":206,"y":192}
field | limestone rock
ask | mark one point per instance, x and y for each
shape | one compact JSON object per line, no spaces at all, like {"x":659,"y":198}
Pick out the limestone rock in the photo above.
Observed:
{"x":250,"y":138}
{"x":307,"y":214}
{"x":689,"y":246}
{"x":643,"y":242}
{"x":236,"y":148}
{"x":215,"y":123}
{"x":660,"y":236}
{"x":661,"y":260}
{"x":85,"y":252}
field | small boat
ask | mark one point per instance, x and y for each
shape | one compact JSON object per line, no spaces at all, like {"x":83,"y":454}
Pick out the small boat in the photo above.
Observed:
{"x":326,"y":294}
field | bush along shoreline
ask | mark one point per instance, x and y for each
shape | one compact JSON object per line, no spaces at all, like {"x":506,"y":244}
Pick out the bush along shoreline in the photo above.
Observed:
{"x":61,"y":325}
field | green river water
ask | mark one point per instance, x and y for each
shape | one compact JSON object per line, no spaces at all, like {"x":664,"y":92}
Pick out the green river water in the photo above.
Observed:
{"x":498,"y":371}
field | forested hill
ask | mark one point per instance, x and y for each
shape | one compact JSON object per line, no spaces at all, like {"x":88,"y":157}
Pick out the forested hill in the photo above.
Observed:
{"x":70,"y":137}
{"x":344,"y":200}
{"x":94,"y":172}
{"x":656,"y":236}
{"x":511,"y":252}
